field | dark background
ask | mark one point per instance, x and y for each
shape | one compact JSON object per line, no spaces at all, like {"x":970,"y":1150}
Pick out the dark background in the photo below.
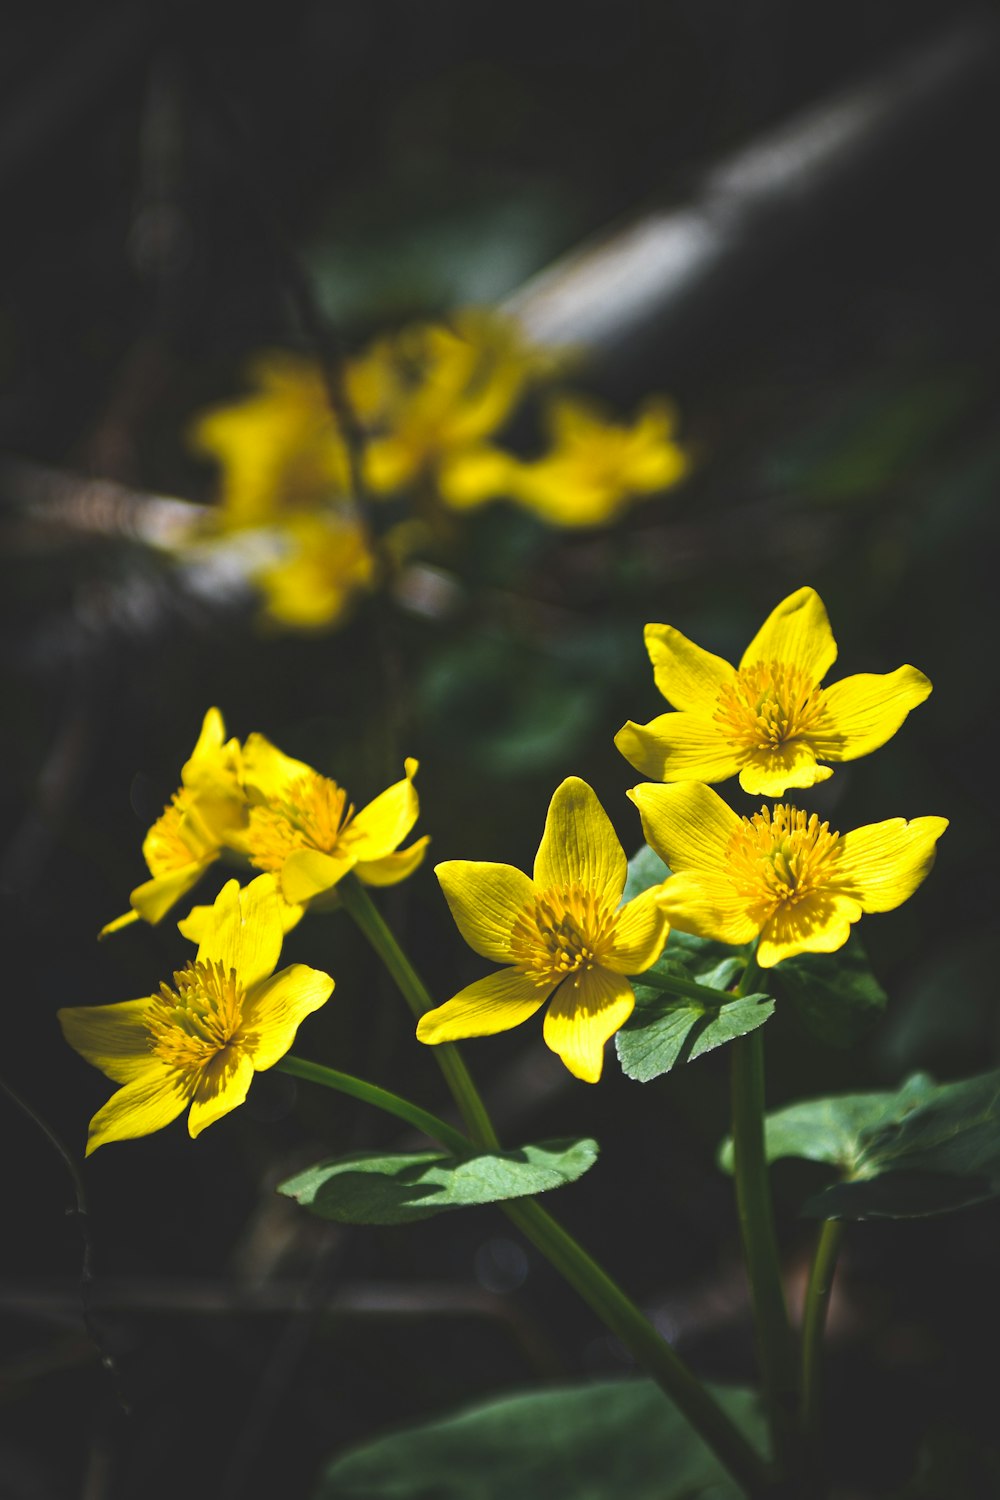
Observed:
{"x":837,"y":382}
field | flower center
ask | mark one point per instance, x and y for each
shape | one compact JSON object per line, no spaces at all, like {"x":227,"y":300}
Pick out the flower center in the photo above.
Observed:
{"x":313,"y":814}
{"x":565,"y":930}
{"x":172,"y":843}
{"x":768,"y":704}
{"x":193,"y":1023}
{"x":779,"y":857}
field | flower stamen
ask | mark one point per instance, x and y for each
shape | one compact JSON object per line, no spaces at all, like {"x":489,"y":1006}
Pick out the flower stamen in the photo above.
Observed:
{"x":780,"y":857}
{"x":566,"y":930}
{"x":190,"y":1025}
{"x":768,"y":704}
{"x":314,"y":813}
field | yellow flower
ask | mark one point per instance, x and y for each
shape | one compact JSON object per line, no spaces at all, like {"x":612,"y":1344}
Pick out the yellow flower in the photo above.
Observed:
{"x":206,"y":813}
{"x":435,"y":390}
{"x":327,"y":561}
{"x":279,"y":449}
{"x":199,"y":1041}
{"x":562,"y":934}
{"x":781,"y":875}
{"x":769,"y":720}
{"x":303,"y":829}
{"x":595,"y":467}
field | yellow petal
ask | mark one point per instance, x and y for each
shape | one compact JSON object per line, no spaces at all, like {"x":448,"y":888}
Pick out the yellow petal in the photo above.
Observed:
{"x":474,"y":476}
{"x":386,"y":821}
{"x":485,"y":900}
{"x":244,"y":930}
{"x":496,"y":1003}
{"x":267,"y":771}
{"x":222,"y":1086}
{"x":882,"y":864}
{"x":113,"y":1038}
{"x":679,"y":747}
{"x":707,"y":905}
{"x":796,"y":632}
{"x":274,"y":1009}
{"x":125,"y":920}
{"x":641,"y":930}
{"x":147,"y":1103}
{"x":584,"y":1013}
{"x":199,"y":919}
{"x":579,"y":845}
{"x":392,"y":868}
{"x":155,"y":897}
{"x":768,"y":772}
{"x":862,"y":712}
{"x":687,"y":676}
{"x":688,"y":825}
{"x":819,"y":923}
{"x":309,"y":872}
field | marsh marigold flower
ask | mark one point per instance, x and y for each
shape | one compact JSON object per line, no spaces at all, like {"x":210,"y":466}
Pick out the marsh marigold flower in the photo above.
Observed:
{"x":200,"y":1040}
{"x":206,"y":813}
{"x":783,"y":875}
{"x":769,"y":720}
{"x":305,"y":832}
{"x":561,"y":932}
{"x":325,"y":562}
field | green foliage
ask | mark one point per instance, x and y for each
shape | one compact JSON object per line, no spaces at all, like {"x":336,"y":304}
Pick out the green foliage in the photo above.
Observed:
{"x":372,"y":1187}
{"x":835,"y":995}
{"x":645,"y":869}
{"x":588,"y":1442}
{"x":926,"y":1149}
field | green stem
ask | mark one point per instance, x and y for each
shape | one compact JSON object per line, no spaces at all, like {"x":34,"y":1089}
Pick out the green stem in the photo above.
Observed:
{"x":602,"y":1294}
{"x":618,"y":1312}
{"x":359,"y":905}
{"x":384,"y":1099}
{"x":760,"y":1246}
{"x":813,"y":1326}
{"x":688,"y":989}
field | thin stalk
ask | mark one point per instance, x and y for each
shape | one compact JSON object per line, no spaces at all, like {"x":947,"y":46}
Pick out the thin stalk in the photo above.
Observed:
{"x":775,"y":1347}
{"x":688,"y":989}
{"x":384,"y":1099}
{"x":814,"y":1313}
{"x":601,"y":1293}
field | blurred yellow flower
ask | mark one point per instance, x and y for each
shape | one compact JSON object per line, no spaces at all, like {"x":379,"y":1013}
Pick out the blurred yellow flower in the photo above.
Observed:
{"x":199,"y":1041}
{"x":770,"y":720}
{"x":781,"y":875}
{"x":325,"y":561}
{"x":562,"y":932}
{"x":207,"y":812}
{"x":303,"y":829}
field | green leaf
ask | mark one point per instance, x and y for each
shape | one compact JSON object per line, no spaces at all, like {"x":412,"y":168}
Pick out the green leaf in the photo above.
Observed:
{"x":926,"y":1149}
{"x":601,"y":1441}
{"x":835,"y":995}
{"x":376,"y":1188}
{"x":664,"y":1031}
{"x":645,"y":869}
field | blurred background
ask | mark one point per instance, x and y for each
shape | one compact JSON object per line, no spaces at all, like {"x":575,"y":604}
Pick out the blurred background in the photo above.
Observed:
{"x":781,"y":217}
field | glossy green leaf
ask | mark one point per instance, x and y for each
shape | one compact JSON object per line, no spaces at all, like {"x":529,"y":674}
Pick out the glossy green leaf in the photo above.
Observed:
{"x":645,"y":869}
{"x":835,"y":995}
{"x":376,"y":1188}
{"x":926,"y":1149}
{"x":603,"y":1441}
{"x":664,"y":1030}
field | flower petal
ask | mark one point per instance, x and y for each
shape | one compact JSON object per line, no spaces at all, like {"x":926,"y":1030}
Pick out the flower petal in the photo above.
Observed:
{"x":584,"y":1013}
{"x":796,"y":632}
{"x":222,"y":1086}
{"x":309,"y":872}
{"x":154,"y":898}
{"x":267,"y":771}
{"x":882,"y":864}
{"x":687,"y":676}
{"x":392,"y":868}
{"x":708,"y":905}
{"x":864,"y":711}
{"x":641,"y":930}
{"x":244,"y":930}
{"x":819,"y":923}
{"x":688,"y":825}
{"x":274,"y":1009}
{"x":579,"y":845}
{"x":679,"y":747}
{"x":200,"y":919}
{"x":767,"y":773}
{"x":485,"y":900}
{"x":496,"y":1003}
{"x":113,"y":1038}
{"x":386,"y":821}
{"x":149,"y":1102}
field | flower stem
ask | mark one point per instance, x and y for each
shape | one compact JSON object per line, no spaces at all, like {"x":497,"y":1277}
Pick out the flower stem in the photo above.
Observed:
{"x":359,"y":905}
{"x":760,"y":1246}
{"x":618,"y":1312}
{"x":813,"y":1326}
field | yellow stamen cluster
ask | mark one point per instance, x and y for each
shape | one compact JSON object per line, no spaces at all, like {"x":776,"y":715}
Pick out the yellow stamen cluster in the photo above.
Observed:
{"x":565,"y":930}
{"x":768,"y":704}
{"x":313,"y":814}
{"x":781,"y":856}
{"x":189,"y":1026}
